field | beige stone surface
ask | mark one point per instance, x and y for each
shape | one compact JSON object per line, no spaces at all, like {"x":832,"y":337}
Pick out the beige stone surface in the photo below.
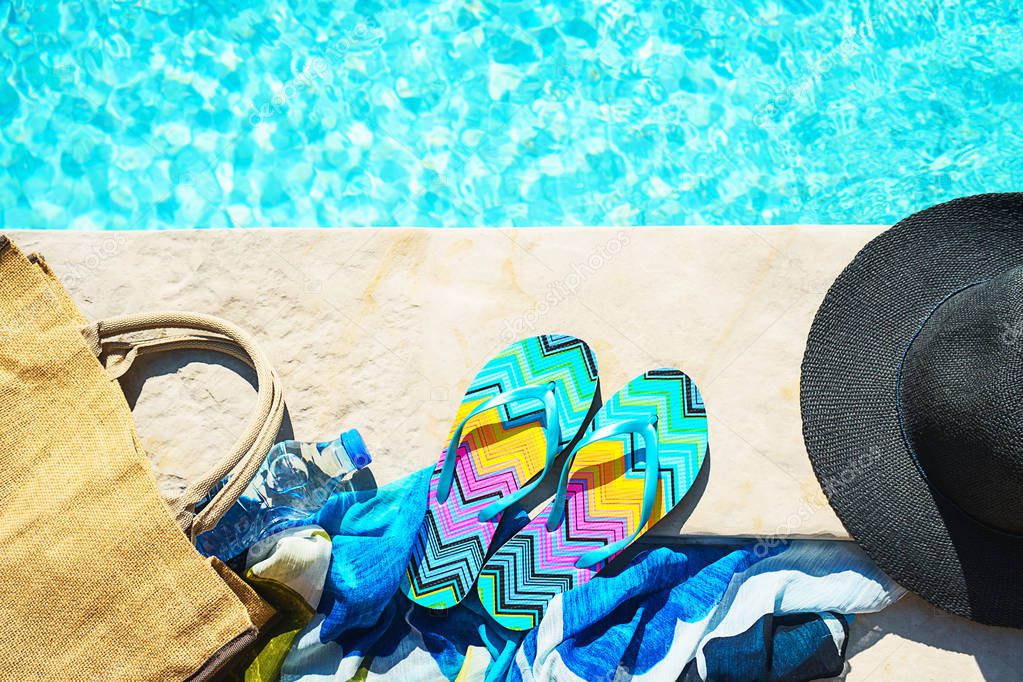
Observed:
{"x":382,"y":330}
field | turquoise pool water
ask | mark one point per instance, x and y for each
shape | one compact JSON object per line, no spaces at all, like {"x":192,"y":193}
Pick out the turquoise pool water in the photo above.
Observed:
{"x":160,"y":113}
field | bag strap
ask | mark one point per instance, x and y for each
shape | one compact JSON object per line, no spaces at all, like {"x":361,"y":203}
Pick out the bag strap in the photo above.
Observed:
{"x":208,"y":333}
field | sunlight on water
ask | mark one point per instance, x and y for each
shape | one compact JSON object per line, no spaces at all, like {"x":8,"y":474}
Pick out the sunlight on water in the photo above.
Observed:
{"x":141,"y":114}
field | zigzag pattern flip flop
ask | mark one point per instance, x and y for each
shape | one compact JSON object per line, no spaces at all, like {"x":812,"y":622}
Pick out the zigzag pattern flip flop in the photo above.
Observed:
{"x":524,"y":407}
{"x":606,"y":498}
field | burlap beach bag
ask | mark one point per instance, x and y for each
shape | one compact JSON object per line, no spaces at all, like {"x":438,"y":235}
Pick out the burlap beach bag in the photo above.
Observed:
{"x":98,"y":577}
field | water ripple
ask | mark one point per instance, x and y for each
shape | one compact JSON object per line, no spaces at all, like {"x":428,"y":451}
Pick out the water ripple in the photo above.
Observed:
{"x":155,"y":114}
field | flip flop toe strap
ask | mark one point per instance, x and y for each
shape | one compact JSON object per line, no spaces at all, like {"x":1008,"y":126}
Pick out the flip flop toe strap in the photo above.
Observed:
{"x":645,"y":429}
{"x":552,"y":431}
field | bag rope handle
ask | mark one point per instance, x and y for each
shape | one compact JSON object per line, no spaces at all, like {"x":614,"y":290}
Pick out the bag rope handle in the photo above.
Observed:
{"x":203,"y":332}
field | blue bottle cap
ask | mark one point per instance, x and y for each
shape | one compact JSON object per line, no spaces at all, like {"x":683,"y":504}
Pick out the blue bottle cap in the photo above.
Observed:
{"x":356,"y":448}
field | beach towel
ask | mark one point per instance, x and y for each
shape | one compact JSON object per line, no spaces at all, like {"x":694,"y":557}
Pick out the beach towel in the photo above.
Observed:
{"x":668,"y":612}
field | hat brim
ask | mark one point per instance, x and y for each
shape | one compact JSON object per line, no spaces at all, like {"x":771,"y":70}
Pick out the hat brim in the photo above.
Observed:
{"x":850,"y":416}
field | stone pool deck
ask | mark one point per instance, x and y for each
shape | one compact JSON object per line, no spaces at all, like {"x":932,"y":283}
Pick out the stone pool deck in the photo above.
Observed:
{"x":382,"y":329}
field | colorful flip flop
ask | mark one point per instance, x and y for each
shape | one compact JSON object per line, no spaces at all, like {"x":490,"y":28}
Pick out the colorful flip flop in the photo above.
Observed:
{"x":523,"y":408}
{"x":638,"y":459}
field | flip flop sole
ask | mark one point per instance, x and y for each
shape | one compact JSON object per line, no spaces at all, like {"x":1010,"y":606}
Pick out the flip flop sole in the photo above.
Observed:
{"x":501,"y":450}
{"x":604,"y":498}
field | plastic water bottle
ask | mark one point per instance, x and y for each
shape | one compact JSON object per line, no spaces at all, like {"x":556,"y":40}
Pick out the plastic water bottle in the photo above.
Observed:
{"x":294,"y":482}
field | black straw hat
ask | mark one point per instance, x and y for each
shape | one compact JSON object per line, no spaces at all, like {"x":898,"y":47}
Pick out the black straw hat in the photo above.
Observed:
{"x":912,"y":401}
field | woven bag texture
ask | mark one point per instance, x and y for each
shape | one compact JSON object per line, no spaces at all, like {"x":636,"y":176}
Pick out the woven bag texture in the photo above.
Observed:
{"x":97,"y":581}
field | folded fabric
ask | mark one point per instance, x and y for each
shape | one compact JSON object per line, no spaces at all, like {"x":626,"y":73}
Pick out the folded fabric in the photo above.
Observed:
{"x":288,"y":570}
{"x":672,"y":606}
{"x":379,"y":632}
{"x":801,"y":646}
{"x":296,"y":557}
{"x":670,"y":612}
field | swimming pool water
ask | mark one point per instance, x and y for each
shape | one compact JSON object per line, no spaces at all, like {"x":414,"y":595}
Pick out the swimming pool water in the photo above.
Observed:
{"x":168,"y":113}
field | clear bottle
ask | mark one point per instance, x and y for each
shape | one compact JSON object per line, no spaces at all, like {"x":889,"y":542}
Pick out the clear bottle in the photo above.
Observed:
{"x":296,"y":480}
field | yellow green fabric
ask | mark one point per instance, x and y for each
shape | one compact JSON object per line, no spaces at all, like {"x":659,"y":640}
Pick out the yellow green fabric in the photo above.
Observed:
{"x":263,"y":661}
{"x":288,"y":570}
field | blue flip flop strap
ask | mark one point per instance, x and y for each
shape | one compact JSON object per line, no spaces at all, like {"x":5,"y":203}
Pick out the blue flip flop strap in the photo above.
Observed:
{"x":645,"y":429}
{"x":552,"y":431}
